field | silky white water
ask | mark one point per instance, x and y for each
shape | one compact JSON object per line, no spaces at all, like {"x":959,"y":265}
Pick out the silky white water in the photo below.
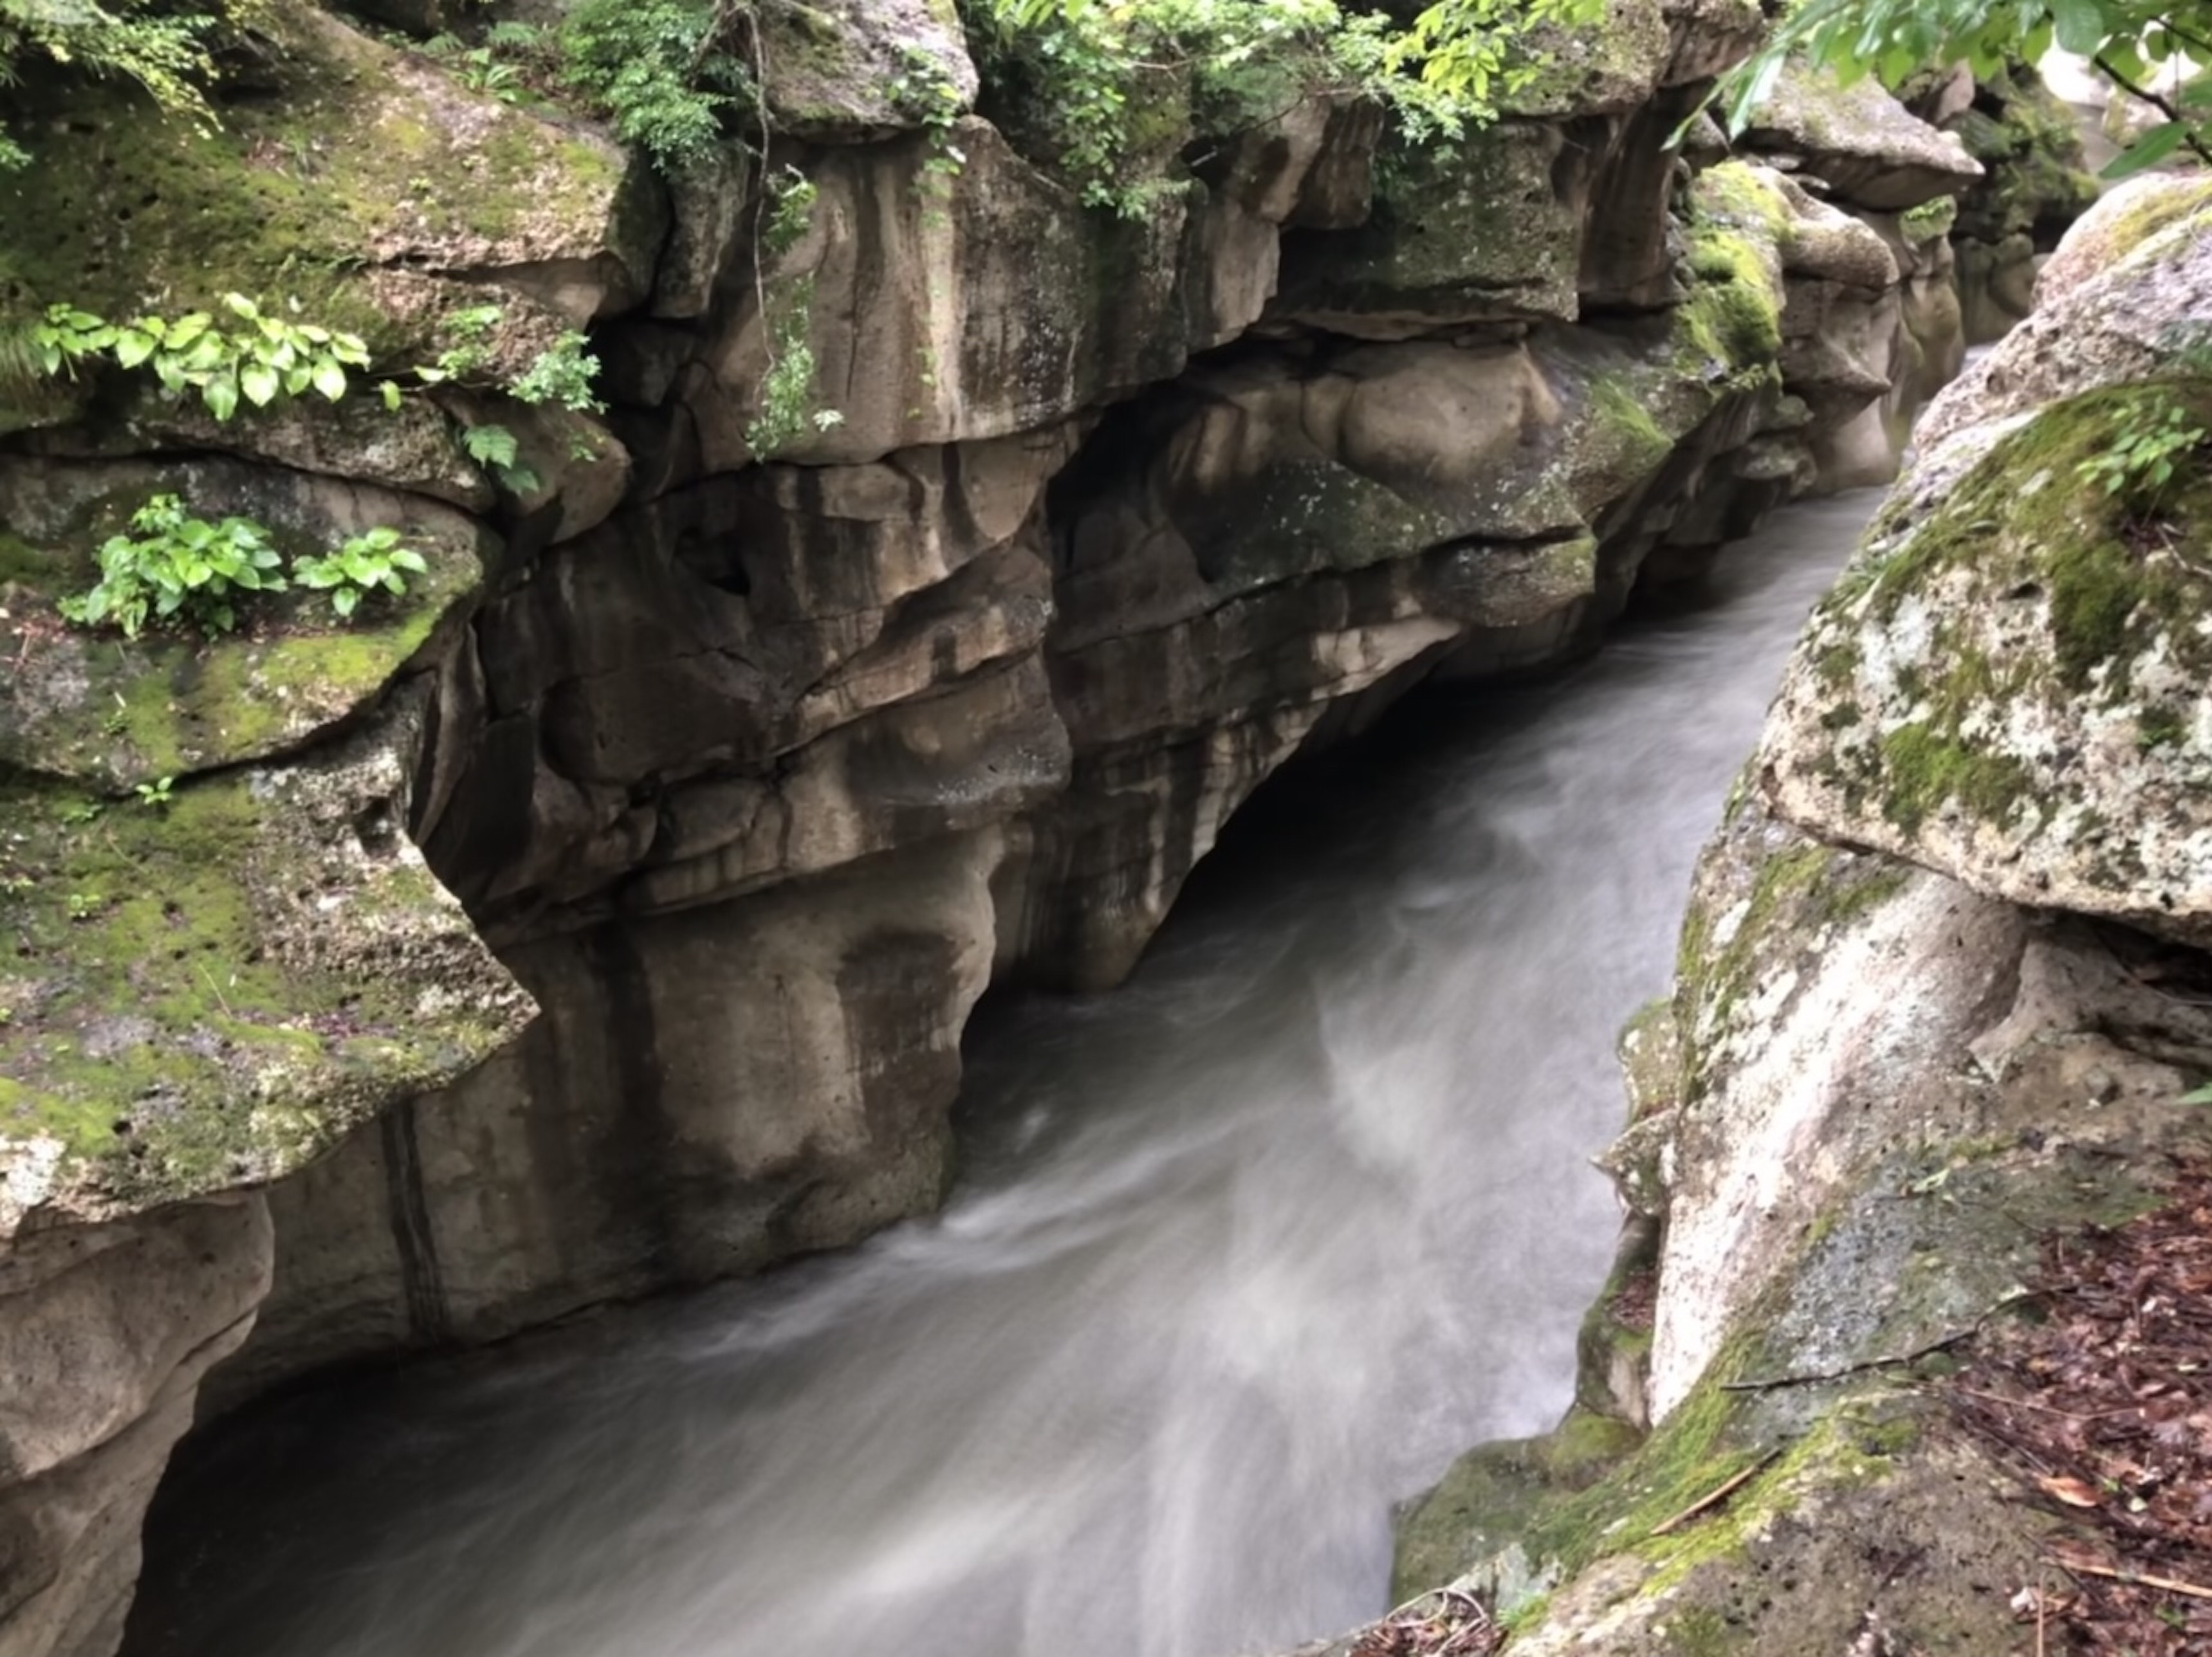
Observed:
{"x":1243,"y":1253}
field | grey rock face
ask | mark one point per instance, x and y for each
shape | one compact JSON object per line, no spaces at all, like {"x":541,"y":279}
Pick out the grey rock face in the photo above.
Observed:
{"x":2007,"y":686}
{"x":105,"y":1331}
{"x":1869,"y":149}
{"x":755,"y":769}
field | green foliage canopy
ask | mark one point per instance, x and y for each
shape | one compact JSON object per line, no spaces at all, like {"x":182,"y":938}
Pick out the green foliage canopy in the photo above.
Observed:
{"x":1108,"y":80}
{"x":2159,"y":50}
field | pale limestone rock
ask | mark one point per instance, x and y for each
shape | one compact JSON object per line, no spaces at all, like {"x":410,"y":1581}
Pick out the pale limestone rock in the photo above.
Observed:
{"x":2009,"y":684}
{"x":1831,"y":998}
{"x":1867,"y":148}
{"x":2116,"y":311}
{"x":105,"y":1331}
{"x":783,"y":1063}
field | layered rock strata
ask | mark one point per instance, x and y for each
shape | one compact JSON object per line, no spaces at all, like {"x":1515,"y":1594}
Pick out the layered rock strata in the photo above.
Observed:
{"x":752,"y":771}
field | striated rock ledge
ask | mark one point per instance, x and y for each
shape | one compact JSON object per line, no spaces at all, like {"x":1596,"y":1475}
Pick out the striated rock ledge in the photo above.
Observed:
{"x":1918,"y":1024}
{"x":749,"y":773}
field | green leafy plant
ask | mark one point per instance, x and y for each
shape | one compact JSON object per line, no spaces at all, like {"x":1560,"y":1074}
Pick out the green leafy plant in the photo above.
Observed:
{"x":787,"y":199}
{"x":658,"y":70}
{"x":261,"y":356}
{"x":471,"y":353}
{"x":374,"y":561}
{"x":163,"y":49}
{"x":2141,"y":460}
{"x":178,"y":568}
{"x":787,"y":391}
{"x":1101,"y":83}
{"x":513,"y":35}
{"x":561,"y":373}
{"x":157,"y":792}
{"x":927,"y":94}
{"x":68,"y":337}
{"x":477,"y":68}
{"x":495,"y":447}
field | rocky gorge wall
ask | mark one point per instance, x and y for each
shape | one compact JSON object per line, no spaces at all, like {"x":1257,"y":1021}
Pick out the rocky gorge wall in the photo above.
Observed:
{"x":749,"y":774}
{"x":1928,"y":1015}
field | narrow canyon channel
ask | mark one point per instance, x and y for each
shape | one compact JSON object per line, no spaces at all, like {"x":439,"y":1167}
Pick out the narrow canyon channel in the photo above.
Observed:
{"x":1242,"y":1255}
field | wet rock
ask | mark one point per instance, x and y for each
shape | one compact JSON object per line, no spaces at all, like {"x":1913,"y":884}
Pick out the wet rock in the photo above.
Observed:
{"x":2035,"y":183}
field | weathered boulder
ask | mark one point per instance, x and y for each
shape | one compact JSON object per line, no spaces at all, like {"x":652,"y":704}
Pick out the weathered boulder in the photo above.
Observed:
{"x":937,"y":308}
{"x":655,"y":703}
{"x":1865,"y":147}
{"x":707,"y":1091}
{"x":2126,"y":297}
{"x":1942,"y":1080}
{"x":1303,"y":527}
{"x":213,"y":987}
{"x":1487,"y":230}
{"x":847,"y":71}
{"x":2007,"y":686}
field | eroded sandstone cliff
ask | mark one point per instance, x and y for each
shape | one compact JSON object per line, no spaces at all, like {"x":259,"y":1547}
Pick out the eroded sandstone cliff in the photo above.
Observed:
{"x":750,"y":773}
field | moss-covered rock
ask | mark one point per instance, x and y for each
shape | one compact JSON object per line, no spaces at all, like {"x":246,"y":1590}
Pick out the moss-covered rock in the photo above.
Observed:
{"x":358,"y":180}
{"x":2126,"y":295}
{"x":2035,"y":183}
{"x":2009,"y":684}
{"x":2035,"y":180}
{"x":208,"y":990}
{"x":1473,"y":231}
{"x":1943,"y":1087}
{"x":109,"y":713}
{"x":842,"y":72}
{"x":1871,"y":150}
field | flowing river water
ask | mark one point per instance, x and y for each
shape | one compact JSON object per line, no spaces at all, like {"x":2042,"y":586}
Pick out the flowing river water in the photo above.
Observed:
{"x":1243,"y":1253}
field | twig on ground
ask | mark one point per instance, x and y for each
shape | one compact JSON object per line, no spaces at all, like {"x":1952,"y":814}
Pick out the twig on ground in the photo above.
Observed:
{"x":2135,"y":1578}
{"x":1718,"y":1494}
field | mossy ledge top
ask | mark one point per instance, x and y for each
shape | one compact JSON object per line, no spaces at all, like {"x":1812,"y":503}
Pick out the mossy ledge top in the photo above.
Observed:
{"x":209,"y":990}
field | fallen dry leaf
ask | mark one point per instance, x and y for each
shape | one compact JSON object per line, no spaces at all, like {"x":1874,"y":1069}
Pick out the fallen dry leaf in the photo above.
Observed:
{"x":2073,"y":1492}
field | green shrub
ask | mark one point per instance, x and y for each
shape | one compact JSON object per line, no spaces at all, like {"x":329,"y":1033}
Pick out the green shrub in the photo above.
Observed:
{"x":656,"y":69}
{"x":561,"y":373}
{"x":1102,"y":86}
{"x":178,"y":568}
{"x":376,"y":561}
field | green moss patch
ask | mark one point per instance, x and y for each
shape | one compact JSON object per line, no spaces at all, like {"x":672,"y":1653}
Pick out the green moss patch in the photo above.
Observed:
{"x":210,"y":991}
{"x":363,"y":171}
{"x":1733,"y":316}
{"x":2033,"y":583}
{"x":114,"y":712}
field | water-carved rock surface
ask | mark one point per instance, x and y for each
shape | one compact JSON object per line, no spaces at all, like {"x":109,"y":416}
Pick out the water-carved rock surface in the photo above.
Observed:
{"x":755,"y":769}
